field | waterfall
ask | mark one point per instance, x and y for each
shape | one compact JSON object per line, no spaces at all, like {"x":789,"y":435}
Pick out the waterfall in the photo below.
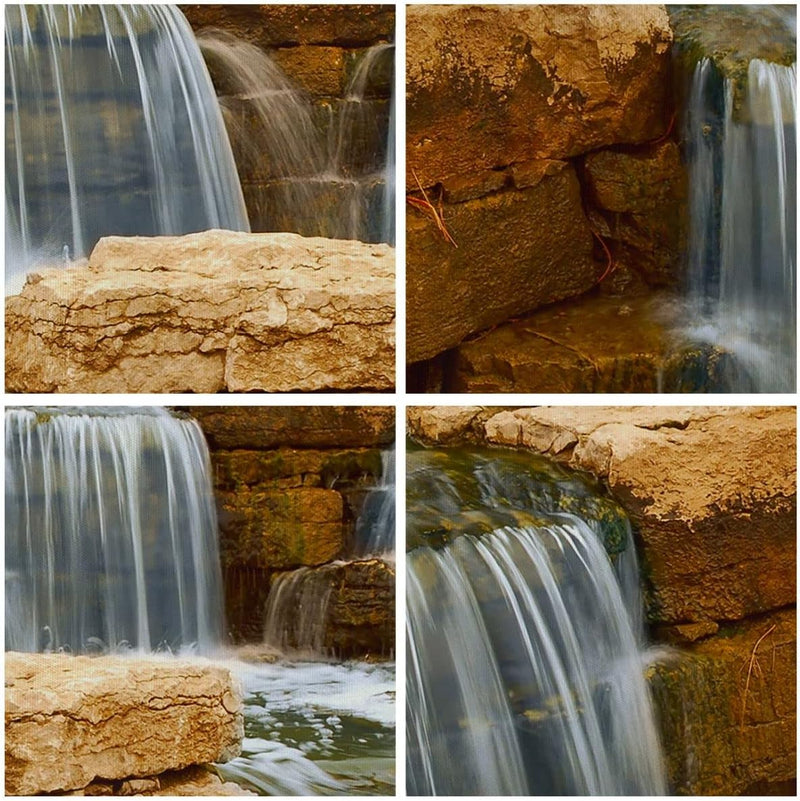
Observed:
{"x":742,"y":153}
{"x":524,"y":642}
{"x":376,"y":522}
{"x":112,"y":128}
{"x":111,"y":534}
{"x":297,"y":609}
{"x":309,"y":169}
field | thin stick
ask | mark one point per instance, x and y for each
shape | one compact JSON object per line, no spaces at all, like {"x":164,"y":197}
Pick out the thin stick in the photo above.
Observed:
{"x":753,"y":666}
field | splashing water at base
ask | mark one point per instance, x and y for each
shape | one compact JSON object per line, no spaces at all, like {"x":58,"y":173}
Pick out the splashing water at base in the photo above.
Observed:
{"x":525,"y":665}
{"x":113,"y":128}
{"x":316,"y":729}
{"x":743,"y":218}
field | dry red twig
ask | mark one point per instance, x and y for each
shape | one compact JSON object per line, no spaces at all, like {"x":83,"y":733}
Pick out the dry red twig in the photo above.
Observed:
{"x":424,"y":205}
{"x":666,"y":133}
{"x":754,"y":668}
{"x":610,"y":267}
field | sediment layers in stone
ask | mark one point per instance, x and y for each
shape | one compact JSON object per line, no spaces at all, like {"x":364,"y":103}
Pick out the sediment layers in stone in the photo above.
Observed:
{"x":205,"y":313}
{"x":71,"y":720}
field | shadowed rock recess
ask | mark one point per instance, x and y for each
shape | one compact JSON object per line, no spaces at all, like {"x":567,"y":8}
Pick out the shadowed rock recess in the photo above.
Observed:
{"x":711,"y":494}
{"x":209,"y":312}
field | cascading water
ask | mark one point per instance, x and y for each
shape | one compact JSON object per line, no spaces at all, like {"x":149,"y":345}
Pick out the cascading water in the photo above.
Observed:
{"x":742,"y":155}
{"x":112,"y":127}
{"x":111,"y":532}
{"x":314,"y":164}
{"x":111,"y":545}
{"x":297,"y":610}
{"x":376,"y":522}
{"x":524,"y":642}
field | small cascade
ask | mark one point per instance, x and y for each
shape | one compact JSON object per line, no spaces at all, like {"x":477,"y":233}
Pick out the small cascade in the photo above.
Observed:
{"x":270,"y":125}
{"x":297,"y":611}
{"x":357,"y":132}
{"x":376,"y":523}
{"x":524,"y":636}
{"x":311,"y":169}
{"x":742,"y":152}
{"x":112,"y":128}
{"x":111,"y":532}
{"x":298,"y":604}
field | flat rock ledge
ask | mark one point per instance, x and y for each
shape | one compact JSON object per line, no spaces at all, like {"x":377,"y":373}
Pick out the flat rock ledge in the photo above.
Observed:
{"x":208,"y":312}
{"x":72,"y":721}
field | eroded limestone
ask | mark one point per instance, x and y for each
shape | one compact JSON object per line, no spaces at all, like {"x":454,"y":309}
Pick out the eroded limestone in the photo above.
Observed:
{"x":207,"y":312}
{"x":73,"y":719}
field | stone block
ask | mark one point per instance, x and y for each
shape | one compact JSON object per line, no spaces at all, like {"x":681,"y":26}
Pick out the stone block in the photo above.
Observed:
{"x":516,"y":250}
{"x":206,"y":312}
{"x":494,"y":85}
{"x":71,"y":719}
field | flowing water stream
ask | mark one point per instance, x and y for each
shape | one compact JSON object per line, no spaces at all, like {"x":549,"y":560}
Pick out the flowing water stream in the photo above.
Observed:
{"x":524,"y":634}
{"x":324,"y":169}
{"x":111,"y":538}
{"x":743,"y":239}
{"x":111,"y":546}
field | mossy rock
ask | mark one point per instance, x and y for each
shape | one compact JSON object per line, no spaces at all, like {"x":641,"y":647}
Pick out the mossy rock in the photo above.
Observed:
{"x":731,"y":37}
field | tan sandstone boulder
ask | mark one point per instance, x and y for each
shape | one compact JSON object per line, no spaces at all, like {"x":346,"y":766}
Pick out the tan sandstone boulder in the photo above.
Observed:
{"x":207,"y":312}
{"x":73,"y":719}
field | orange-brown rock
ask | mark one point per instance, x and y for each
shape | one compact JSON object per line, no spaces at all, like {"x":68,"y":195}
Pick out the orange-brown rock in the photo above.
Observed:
{"x":72,"y":719}
{"x":516,"y":250}
{"x":288,"y":25}
{"x":727,"y":709}
{"x":593,"y":344}
{"x":642,"y":201}
{"x":279,"y":528}
{"x":489,"y":86}
{"x":307,"y":427}
{"x":206,"y":312}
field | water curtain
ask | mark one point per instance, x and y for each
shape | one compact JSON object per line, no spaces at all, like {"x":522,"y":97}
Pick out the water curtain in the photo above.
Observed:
{"x":742,"y":276}
{"x":376,"y":522}
{"x":525,"y":671}
{"x":112,"y":127}
{"x":111,"y":532}
{"x":316,"y":169}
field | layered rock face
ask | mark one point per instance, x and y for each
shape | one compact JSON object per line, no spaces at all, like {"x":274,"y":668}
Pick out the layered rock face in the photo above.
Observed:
{"x":318,"y":48}
{"x":209,"y":312}
{"x":517,"y":118}
{"x":712,"y":497}
{"x":71,"y":721}
{"x":289,"y":484}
